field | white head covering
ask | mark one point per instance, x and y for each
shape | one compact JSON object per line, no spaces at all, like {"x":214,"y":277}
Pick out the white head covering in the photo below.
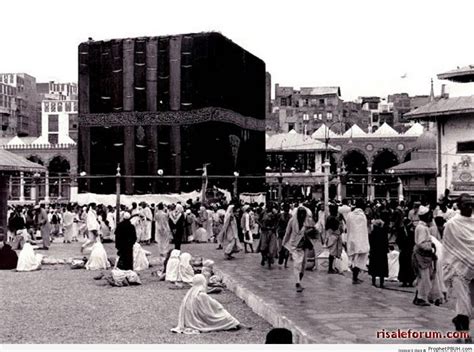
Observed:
{"x":201,"y":313}
{"x":186,"y":271}
{"x":172,"y":267}
{"x":126,"y":215}
{"x":423,"y":210}
{"x":27,"y":260}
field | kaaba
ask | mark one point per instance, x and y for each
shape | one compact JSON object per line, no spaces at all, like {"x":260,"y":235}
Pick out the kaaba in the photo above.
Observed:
{"x":170,"y":103}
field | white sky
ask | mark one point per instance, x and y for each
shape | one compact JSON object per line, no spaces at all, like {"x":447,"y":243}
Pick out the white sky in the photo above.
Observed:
{"x":362,"y":46}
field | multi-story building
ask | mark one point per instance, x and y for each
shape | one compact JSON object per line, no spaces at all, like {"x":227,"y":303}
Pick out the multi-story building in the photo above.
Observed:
{"x":25,"y":120}
{"x":306,"y":109}
{"x":59,"y":111}
{"x":354,"y":114}
{"x":7,"y":109}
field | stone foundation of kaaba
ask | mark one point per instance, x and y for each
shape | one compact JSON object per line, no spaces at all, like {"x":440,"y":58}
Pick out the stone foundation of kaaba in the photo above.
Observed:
{"x":171,"y":103}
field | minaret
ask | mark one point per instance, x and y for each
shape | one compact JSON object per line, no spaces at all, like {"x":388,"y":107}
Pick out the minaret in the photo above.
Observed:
{"x":432,"y":96}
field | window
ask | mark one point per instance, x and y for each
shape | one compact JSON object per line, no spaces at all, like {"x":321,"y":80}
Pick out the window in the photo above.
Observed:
{"x":373,"y":105}
{"x":53,"y":138}
{"x":315,"y":116}
{"x":375,"y":117}
{"x":53,"y":125}
{"x":322,"y":101}
{"x":306,"y":102}
{"x":320,"y":116}
{"x":74,"y":106}
{"x":305,"y":117}
{"x":466,"y":147}
{"x":53,"y":107}
{"x":283,"y":102}
{"x":329,"y":116}
{"x":68,"y":106}
{"x":60,"y":107}
{"x":291,"y":126}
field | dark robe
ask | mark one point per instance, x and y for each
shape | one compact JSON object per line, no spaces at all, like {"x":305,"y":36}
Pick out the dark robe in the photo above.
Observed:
{"x":268,"y":237}
{"x":125,"y":238}
{"x":8,"y":258}
{"x":405,"y":242}
{"x":177,"y":230}
{"x":378,"y":261}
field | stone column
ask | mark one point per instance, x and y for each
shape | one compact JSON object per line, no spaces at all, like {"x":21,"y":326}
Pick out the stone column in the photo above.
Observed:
{"x":339,"y":185}
{"x":400,"y":190}
{"x":10,"y":186}
{"x":3,"y":201}
{"x":370,"y":186}
{"x":22,"y":187}
{"x":46,"y":187}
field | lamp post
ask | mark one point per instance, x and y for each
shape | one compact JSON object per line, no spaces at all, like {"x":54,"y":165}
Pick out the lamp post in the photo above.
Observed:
{"x":117,"y":192}
{"x":236,"y":189}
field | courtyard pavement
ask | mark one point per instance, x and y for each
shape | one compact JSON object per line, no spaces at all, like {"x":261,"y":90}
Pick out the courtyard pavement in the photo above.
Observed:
{"x":330,"y":309}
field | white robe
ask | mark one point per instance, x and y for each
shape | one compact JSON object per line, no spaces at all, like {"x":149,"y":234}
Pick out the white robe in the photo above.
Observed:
{"x":186,"y":271}
{"x":201,"y":313}
{"x":172,"y":267}
{"x":98,"y":258}
{"x":140,"y":261}
{"x":28,"y":260}
{"x":393,"y":265}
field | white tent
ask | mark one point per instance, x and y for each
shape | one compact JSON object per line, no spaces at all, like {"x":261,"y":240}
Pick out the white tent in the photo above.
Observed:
{"x":16,"y":141}
{"x":354,"y":131}
{"x":322,"y":133}
{"x":415,"y":131}
{"x":385,"y":131}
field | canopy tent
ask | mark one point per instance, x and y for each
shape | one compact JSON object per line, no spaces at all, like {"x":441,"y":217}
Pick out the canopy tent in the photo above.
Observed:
{"x":354,"y":131}
{"x":385,"y":131}
{"x":322,"y":132}
{"x":415,"y":131}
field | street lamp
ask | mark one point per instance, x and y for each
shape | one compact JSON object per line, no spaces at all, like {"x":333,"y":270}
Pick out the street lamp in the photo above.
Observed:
{"x":236,"y":178}
{"x":117,"y":190}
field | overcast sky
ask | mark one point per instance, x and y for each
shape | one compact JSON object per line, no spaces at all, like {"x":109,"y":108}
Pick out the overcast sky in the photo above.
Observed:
{"x":361,"y":46}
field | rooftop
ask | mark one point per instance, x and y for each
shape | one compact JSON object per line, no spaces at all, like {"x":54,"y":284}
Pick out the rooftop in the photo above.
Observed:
{"x":443,"y":107}
{"x":293,"y":141}
{"x":12,"y":162}
{"x":460,"y":74}
{"x":320,"y":91}
{"x":419,"y":166}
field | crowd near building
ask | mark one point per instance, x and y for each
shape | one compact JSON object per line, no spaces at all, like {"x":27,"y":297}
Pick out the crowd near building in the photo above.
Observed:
{"x":141,"y":104}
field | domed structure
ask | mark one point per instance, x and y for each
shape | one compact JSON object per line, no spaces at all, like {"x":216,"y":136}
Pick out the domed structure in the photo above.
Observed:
{"x":427,"y":141}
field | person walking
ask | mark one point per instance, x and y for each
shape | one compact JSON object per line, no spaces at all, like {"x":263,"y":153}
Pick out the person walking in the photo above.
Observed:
{"x":297,"y":242}
{"x":229,"y":234}
{"x":43,"y":224}
{"x":378,"y":259}
{"x":458,"y":263}
{"x":357,"y":240}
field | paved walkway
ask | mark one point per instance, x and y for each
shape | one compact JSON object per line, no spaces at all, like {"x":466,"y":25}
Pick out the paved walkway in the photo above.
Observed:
{"x":331,"y":309}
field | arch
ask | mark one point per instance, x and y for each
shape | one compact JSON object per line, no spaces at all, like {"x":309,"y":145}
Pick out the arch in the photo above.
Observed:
{"x":59,"y":165}
{"x":384,"y":183}
{"x":387,"y":152}
{"x":344,"y":158}
{"x":35,"y":159}
{"x":407,"y":156}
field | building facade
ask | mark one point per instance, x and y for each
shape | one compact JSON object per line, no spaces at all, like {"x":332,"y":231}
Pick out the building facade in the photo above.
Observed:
{"x":170,"y":103}
{"x":454,"y":121}
{"x":306,"y":109}
{"x":25,"y":120}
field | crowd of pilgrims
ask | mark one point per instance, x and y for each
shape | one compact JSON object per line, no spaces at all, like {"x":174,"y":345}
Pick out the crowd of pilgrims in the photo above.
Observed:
{"x":390,"y":240}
